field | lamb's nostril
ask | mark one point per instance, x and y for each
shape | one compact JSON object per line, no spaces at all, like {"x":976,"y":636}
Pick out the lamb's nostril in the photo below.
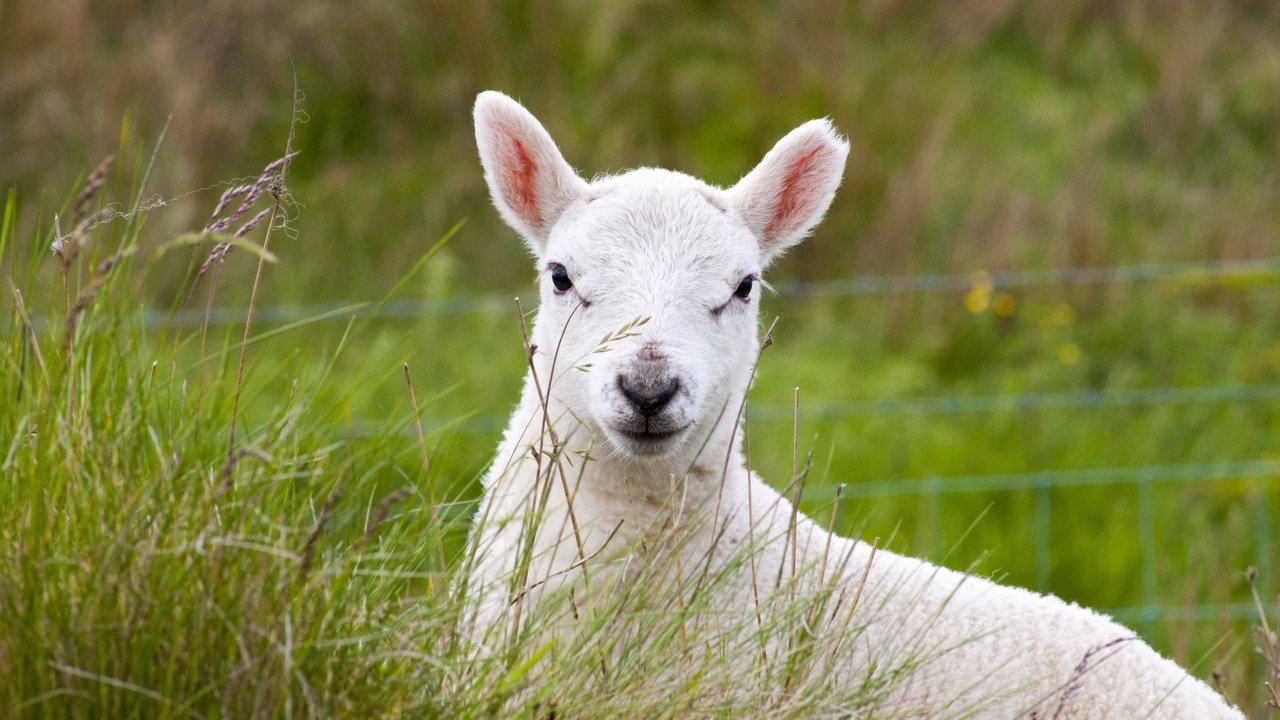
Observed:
{"x":649,"y":397}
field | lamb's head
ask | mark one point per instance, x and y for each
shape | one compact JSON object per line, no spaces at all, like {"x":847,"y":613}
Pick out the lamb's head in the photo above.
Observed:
{"x":650,"y":280}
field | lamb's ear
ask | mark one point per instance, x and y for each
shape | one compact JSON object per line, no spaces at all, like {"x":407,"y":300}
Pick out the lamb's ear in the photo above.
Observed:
{"x":787,"y":194}
{"x":529,"y":180}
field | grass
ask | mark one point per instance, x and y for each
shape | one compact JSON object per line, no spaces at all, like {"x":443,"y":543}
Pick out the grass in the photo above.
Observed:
{"x":305,"y":570}
{"x":987,"y":136}
{"x":149,"y":571}
{"x":153,"y":571}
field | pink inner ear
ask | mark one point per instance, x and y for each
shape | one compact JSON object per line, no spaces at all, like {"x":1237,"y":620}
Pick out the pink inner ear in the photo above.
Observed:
{"x":519,"y":175}
{"x":798,"y":194}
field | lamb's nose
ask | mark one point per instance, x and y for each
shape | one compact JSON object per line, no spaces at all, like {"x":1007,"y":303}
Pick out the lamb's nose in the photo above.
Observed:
{"x":651,"y":352}
{"x":648,"y":396}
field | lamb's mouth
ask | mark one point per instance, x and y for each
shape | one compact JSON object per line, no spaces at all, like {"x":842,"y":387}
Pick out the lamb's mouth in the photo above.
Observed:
{"x":649,"y":441}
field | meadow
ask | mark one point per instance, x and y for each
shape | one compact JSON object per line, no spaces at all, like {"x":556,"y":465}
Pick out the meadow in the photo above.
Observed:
{"x":1039,"y":333}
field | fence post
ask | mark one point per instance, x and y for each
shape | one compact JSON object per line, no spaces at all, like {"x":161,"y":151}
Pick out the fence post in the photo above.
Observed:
{"x":1044,"y":513}
{"x":1147,"y":542}
{"x":1265,"y":566}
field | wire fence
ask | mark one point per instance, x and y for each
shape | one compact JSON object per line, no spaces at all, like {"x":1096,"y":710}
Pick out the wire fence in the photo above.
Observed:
{"x":1231,"y":393}
{"x":1259,"y":270}
{"x":1261,"y":472}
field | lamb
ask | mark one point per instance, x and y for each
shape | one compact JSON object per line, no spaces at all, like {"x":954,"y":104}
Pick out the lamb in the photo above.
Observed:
{"x":668,"y":270}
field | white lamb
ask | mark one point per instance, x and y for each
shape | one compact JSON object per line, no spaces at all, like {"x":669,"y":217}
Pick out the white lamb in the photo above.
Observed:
{"x":668,"y":269}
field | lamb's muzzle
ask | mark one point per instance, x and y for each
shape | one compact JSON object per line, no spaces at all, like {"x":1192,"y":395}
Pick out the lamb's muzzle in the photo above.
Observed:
{"x":648,"y":391}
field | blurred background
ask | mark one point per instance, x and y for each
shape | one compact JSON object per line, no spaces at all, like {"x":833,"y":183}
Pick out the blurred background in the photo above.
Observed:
{"x":1039,"y":330}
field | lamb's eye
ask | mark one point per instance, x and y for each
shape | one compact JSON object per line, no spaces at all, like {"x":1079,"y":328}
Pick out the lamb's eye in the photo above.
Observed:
{"x":560,"y":278}
{"x":744,"y":288}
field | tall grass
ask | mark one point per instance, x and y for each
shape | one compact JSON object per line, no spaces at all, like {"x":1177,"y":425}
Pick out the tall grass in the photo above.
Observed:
{"x":151,"y":571}
{"x":986,"y":135}
{"x":147,"y":572}
{"x":305,"y":571}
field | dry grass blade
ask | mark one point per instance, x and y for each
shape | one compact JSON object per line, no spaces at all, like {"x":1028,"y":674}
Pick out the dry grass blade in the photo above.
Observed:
{"x":795,"y":480}
{"x":831,"y":528}
{"x":276,"y":172}
{"x":228,"y":468}
{"x":92,"y":185}
{"x":417,"y":420}
{"x":426,"y":466}
{"x":32,"y":338}
{"x":309,"y":550}
{"x":1268,"y":642}
{"x":269,"y":182}
{"x":577,"y":564}
{"x":67,"y":247}
{"x":556,"y":467}
{"x":548,"y":428}
{"x":724,"y":469}
{"x":383,"y":512}
{"x":1090,"y":661}
{"x":1220,"y":684}
{"x":88,"y":295}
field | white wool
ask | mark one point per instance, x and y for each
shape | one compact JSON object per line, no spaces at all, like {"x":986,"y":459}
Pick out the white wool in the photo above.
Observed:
{"x":663,"y":257}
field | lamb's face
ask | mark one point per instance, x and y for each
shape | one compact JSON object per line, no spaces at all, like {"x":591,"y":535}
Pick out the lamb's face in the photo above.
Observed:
{"x":649,"y":305}
{"x":650,"y":279}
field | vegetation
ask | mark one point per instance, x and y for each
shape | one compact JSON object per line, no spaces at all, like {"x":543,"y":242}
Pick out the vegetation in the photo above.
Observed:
{"x":152,"y":571}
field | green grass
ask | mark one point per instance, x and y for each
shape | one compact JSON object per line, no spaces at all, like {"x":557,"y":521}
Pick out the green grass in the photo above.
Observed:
{"x":986,"y":136}
{"x":152,"y":570}
{"x":150,"y":573}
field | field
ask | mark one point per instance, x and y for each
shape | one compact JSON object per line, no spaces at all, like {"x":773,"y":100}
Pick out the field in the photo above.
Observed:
{"x":1039,"y":332}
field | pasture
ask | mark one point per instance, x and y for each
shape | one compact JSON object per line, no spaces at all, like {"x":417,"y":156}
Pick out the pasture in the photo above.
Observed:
{"x":1039,"y":333}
